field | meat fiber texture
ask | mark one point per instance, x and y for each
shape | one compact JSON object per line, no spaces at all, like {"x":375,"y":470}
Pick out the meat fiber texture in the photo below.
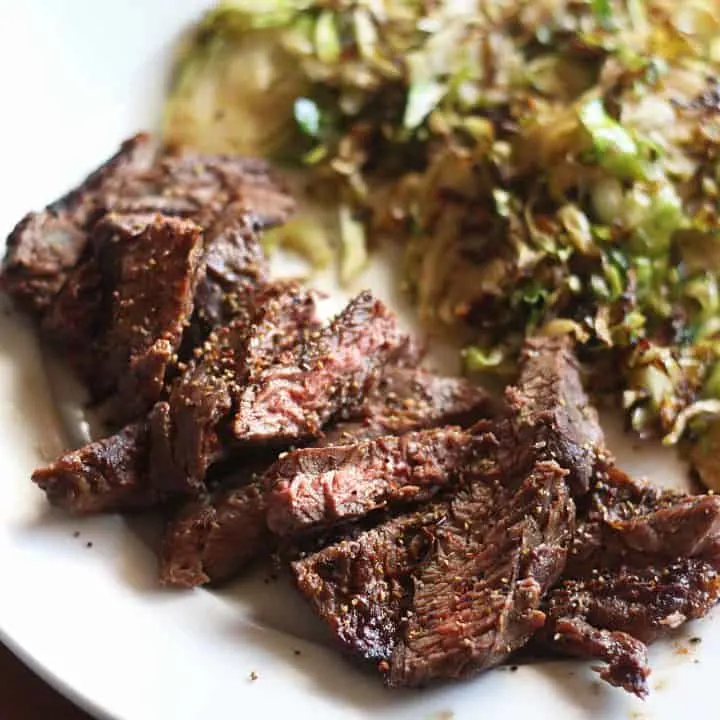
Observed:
{"x":317,"y":488}
{"x":214,"y":538}
{"x":451,"y":589}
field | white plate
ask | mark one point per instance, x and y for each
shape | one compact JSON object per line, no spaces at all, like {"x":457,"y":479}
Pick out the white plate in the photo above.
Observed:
{"x":77,"y":77}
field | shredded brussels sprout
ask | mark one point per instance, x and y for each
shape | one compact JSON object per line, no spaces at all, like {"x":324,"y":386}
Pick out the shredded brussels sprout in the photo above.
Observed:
{"x":304,"y":235}
{"x":549,"y":165}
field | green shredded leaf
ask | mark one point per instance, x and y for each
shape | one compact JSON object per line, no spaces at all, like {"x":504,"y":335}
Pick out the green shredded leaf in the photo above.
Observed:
{"x":613,"y":146}
{"x":304,"y":235}
{"x":327,"y":39}
{"x":478,"y":360}
{"x":604,"y":12}
{"x":354,"y":254}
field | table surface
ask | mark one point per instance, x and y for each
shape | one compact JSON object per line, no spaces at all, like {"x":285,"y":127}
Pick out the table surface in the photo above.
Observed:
{"x":24,"y":696}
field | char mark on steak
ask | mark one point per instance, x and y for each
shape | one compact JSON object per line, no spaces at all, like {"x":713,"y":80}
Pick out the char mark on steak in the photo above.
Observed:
{"x":613,"y":614}
{"x":630,"y":523}
{"x":646,"y":602}
{"x":200,"y":187}
{"x":318,"y":488}
{"x":188,"y":432}
{"x":453,"y":588}
{"x":551,"y":414}
{"x":46,"y":245}
{"x":108,"y":475}
{"x":290,"y":401}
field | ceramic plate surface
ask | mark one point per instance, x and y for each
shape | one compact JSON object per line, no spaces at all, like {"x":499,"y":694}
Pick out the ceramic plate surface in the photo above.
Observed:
{"x":84,"y":610}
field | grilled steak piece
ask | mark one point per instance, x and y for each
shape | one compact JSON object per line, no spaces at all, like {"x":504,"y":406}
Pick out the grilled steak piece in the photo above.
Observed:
{"x":552,"y":415}
{"x":200,"y":545}
{"x":187,"y":432}
{"x":643,"y":562}
{"x":360,"y":585}
{"x":646,"y":602}
{"x":318,"y":488}
{"x":214,"y":537}
{"x":480,"y":600}
{"x":611,"y":615}
{"x":108,"y":475}
{"x":235,"y":267}
{"x":44,"y":246}
{"x":451,"y":589}
{"x":405,"y":399}
{"x":200,"y":187}
{"x":152,"y":265}
{"x":630,"y":523}
{"x":625,"y":657}
{"x":290,"y":401}
{"x":231,"y":267}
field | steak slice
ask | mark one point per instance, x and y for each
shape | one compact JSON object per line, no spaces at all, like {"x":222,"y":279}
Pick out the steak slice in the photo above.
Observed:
{"x":611,"y":615}
{"x":202,"y":544}
{"x":46,"y":245}
{"x":200,"y":187}
{"x":188,"y":431}
{"x":626,"y":657}
{"x":152,"y":265}
{"x":360,"y":585}
{"x":643,"y":562}
{"x":551,"y":414}
{"x":108,"y":475}
{"x":646,"y":602}
{"x":215,"y":537}
{"x":453,"y":588}
{"x":235,"y":266}
{"x":318,"y":488}
{"x":290,"y":401}
{"x":406,"y":399}
{"x":632,"y":523}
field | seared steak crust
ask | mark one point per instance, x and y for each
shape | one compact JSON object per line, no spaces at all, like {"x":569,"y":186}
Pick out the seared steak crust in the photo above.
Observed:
{"x":105,"y":476}
{"x":46,"y":245}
